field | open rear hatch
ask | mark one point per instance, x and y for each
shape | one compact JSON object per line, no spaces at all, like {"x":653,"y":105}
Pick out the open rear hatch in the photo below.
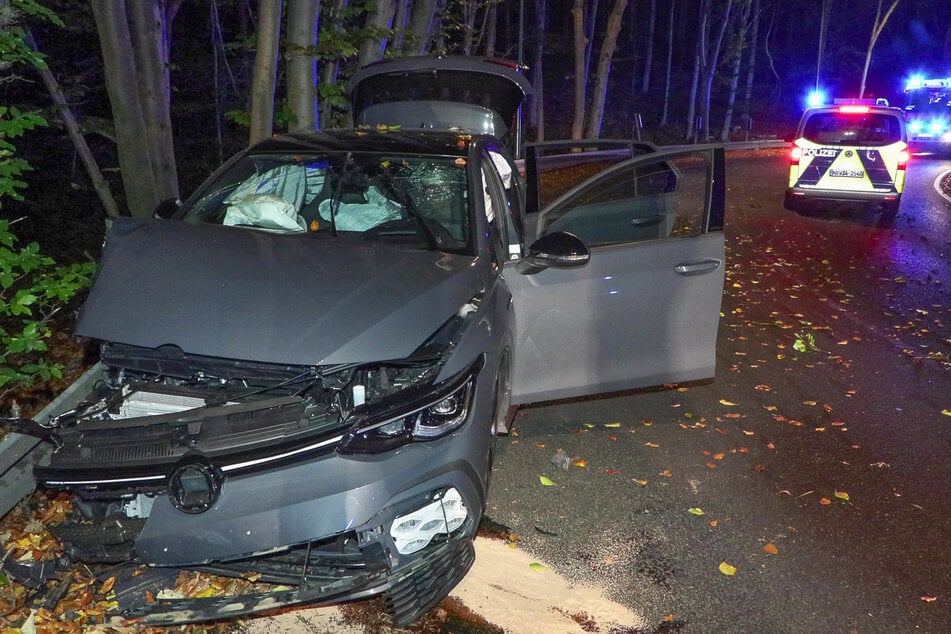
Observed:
{"x":477,"y":94}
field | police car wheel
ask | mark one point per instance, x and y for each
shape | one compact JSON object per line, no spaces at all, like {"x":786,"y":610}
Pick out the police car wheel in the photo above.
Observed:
{"x":889,"y":211}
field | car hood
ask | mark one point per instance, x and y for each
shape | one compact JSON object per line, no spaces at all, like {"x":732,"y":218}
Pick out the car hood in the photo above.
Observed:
{"x":296,"y":299}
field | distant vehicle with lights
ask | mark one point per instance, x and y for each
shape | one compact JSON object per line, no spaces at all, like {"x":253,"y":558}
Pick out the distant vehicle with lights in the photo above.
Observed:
{"x":853,"y":152}
{"x":928,"y":114}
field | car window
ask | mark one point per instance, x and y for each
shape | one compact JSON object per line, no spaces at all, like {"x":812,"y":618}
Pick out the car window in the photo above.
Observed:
{"x":838,"y":128}
{"x":416,"y":201}
{"x":629,"y":204}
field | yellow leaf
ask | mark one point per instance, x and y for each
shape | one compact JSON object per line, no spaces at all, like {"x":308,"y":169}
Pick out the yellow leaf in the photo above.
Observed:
{"x":612,"y":425}
{"x":696,"y":511}
{"x":589,"y":425}
{"x":727,"y":569}
{"x":842,"y":495}
{"x":643,"y":483}
{"x":537,"y":566}
{"x":546,"y":481}
{"x":723,"y":401}
{"x":770,"y":549}
{"x":946,"y":412}
{"x":651,"y":444}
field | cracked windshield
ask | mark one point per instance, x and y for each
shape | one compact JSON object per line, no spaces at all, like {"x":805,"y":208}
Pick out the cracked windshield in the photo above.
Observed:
{"x":419,"y":202}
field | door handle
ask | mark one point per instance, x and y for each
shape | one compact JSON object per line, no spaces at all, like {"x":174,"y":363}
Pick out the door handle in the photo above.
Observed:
{"x":695,"y":268}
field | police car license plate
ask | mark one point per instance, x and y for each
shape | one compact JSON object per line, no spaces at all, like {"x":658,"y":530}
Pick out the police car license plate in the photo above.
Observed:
{"x":847,"y":173}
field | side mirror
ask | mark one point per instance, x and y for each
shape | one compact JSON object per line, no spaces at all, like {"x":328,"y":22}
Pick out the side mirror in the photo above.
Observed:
{"x":167,"y":208}
{"x":561,"y":250}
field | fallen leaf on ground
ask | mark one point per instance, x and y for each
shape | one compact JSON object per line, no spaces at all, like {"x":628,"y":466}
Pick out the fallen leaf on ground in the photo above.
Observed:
{"x":727,"y":569}
{"x":723,"y":401}
{"x":842,"y":495}
{"x":612,"y":425}
{"x":696,"y":511}
{"x":651,"y":444}
{"x":665,"y":473}
{"x":107,"y":585}
{"x":770,"y":549}
{"x":537,"y":566}
{"x":929,"y":599}
{"x":825,"y":501}
{"x":548,"y":482}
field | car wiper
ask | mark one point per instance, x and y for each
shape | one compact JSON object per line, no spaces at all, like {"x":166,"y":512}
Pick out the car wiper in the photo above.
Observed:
{"x":311,"y":375}
{"x":407,"y":201}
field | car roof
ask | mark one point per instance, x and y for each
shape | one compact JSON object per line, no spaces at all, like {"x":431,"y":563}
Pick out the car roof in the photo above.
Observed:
{"x":372,"y":140}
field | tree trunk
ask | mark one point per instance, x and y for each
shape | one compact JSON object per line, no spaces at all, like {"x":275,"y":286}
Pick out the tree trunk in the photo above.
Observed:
{"x":379,"y":21}
{"x":880,"y":21}
{"x":301,"y":63}
{"x":490,"y":29}
{"x":670,"y":57}
{"x":122,"y":79}
{"x":743,"y":27}
{"x":608,"y":46}
{"x":331,"y":66}
{"x":265,"y":71}
{"x":151,"y":58}
{"x":710,"y":68}
{"x":751,"y":72}
{"x":581,"y":75}
{"x":421,"y":26}
{"x":99,"y":183}
{"x":823,"y":31}
{"x":538,"y":81}
{"x":649,"y":61}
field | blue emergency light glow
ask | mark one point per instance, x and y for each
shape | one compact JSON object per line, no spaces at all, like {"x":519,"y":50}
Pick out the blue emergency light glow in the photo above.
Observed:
{"x":937,"y":126}
{"x":914,"y":82}
{"x":815,"y":99}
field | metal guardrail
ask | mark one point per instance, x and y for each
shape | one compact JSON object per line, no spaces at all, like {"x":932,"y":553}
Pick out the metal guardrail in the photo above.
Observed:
{"x":19,"y":452}
{"x":756,"y":144}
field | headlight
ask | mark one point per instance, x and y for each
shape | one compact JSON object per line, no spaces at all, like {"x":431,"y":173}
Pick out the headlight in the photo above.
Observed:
{"x":416,"y":414}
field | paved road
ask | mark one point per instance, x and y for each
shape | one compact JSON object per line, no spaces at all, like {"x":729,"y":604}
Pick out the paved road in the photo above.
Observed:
{"x":835,"y":458}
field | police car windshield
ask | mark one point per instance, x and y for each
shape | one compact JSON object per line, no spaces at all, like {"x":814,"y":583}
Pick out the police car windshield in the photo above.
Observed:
{"x":837,"y":128}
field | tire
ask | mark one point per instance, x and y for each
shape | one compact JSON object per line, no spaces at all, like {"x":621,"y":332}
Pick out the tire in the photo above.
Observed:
{"x":797,"y":204}
{"x":889,"y":212}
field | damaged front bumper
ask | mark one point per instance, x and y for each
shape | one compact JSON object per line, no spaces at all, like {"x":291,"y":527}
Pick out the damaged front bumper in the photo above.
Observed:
{"x":315,"y":525}
{"x":411,"y":590}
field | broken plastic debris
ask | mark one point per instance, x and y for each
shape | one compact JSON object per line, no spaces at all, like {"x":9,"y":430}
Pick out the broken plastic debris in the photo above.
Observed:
{"x":561,"y":459}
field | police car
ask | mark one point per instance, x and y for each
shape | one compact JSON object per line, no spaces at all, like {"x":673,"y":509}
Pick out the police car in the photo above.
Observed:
{"x":851,"y":152}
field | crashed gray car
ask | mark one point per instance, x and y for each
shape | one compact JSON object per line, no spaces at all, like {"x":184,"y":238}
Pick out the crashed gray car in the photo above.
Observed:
{"x":304,"y":370}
